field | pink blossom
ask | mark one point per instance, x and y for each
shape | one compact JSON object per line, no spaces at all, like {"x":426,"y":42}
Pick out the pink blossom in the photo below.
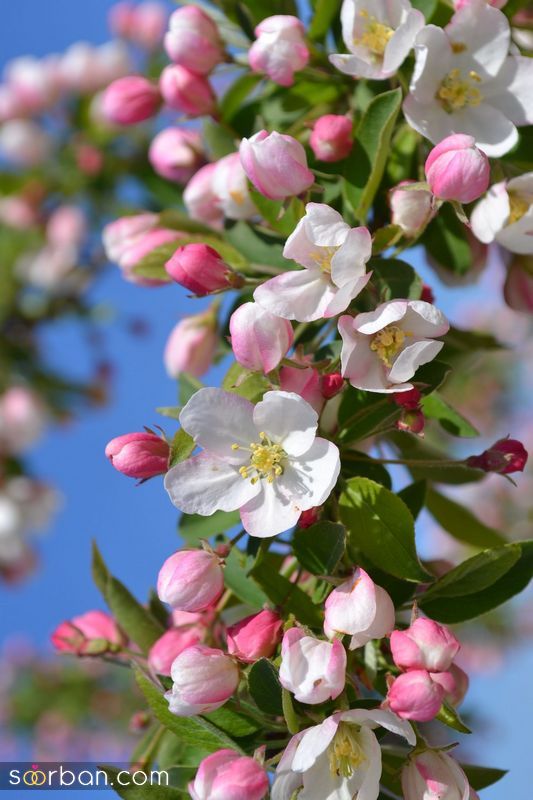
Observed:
{"x":414,"y":695}
{"x":204,"y":679}
{"x":23,"y":417}
{"x":424,"y":645}
{"x":276,"y":164}
{"x":191,"y":346}
{"x":454,"y":682}
{"x":279,"y":49}
{"x":259,"y":339}
{"x":193,"y":40}
{"x":504,"y":456}
{"x":139,"y":455}
{"x":176,"y":154}
{"x":305,"y":382}
{"x":226,"y":775}
{"x":143,"y":24}
{"x":458,"y":170}
{"x":411,"y":209}
{"x":129,"y":239}
{"x":166,"y":649}
{"x":256,"y":636}
{"x":66,"y":226}
{"x":200,"y":198}
{"x":331,"y":139}
{"x":435,"y":774}
{"x":130,"y":100}
{"x":92,"y":633}
{"x":199,"y":268}
{"x":313,"y":670}
{"x":191,"y":580}
{"x":187,"y":92}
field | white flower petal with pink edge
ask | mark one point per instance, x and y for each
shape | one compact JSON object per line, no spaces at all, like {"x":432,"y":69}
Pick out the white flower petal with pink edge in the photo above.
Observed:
{"x":505,"y":215}
{"x":312,"y":669}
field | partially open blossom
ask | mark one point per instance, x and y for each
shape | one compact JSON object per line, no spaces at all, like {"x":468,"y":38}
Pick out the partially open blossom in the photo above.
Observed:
{"x":504,"y":456}
{"x":454,"y":682}
{"x":518,"y":287}
{"x":435,"y":774}
{"x":24,"y":143}
{"x":276,"y":164}
{"x":264,"y":460}
{"x":186,"y":91}
{"x":200,"y":199}
{"x":411,"y":209}
{"x":129,"y":239}
{"x":139,"y":455}
{"x":168,"y":647}
{"x":176,"y":154}
{"x":331,"y":139}
{"x":414,"y":695}
{"x":193,"y":40}
{"x":92,"y":633}
{"x":130,"y":100}
{"x":190,"y":580}
{"x":199,"y":268}
{"x":313,"y":670}
{"x":359,"y":608}
{"x":457,"y":170}
{"x":256,"y":636}
{"x":279,"y":49}
{"x":338,"y":758}
{"x":424,"y":645}
{"x":226,"y":775}
{"x":230,"y":188}
{"x":378,"y":36}
{"x":305,"y":382}
{"x":23,"y":417}
{"x":334,"y":258}
{"x":204,"y":678}
{"x":259,"y":339}
{"x":505,"y":215}
{"x":66,"y":226}
{"x":192,"y":345}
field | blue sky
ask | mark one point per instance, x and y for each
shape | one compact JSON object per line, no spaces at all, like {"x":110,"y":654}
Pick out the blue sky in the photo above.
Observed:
{"x":135,"y":527}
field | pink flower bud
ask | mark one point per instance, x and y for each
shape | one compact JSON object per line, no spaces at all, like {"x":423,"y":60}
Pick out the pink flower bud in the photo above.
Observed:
{"x":92,"y":633}
{"x":409,"y":400}
{"x":204,"y":679}
{"x":226,"y":775}
{"x":169,"y":646}
{"x":190,"y":580}
{"x":89,"y":159}
{"x":276,"y":164}
{"x":411,"y":209}
{"x":331,"y":139}
{"x":454,"y":682}
{"x":360,"y":608}
{"x":427,"y":295}
{"x":201,"y":200}
{"x":279,"y":50}
{"x":305,"y":382}
{"x":176,"y":154}
{"x":23,"y":417}
{"x":193,"y":40}
{"x":331,"y":384}
{"x":120,"y":19}
{"x":139,"y":455}
{"x":259,"y":339}
{"x":504,"y":456}
{"x":130,"y":100}
{"x":191,"y":345}
{"x":129,"y":239}
{"x":434,"y":774}
{"x":66,"y":227}
{"x":313,"y":670}
{"x":187,"y":92}
{"x":518,"y":287}
{"x":424,"y":645}
{"x":199,"y":268}
{"x":458,"y":170}
{"x":414,"y":695}
{"x":143,"y":24}
{"x":255,"y":637}
{"x":411,"y":421}
{"x":309,"y":517}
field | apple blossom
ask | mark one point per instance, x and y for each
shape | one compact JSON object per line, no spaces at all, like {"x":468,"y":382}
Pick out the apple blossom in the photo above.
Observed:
{"x":334,"y":256}
{"x":139,"y":455}
{"x":259,"y":339}
{"x":226,"y":775}
{"x":24,"y":143}
{"x":504,"y":456}
{"x":66,"y":226}
{"x":92,"y":633}
{"x":331,"y":138}
{"x":167,"y":648}
{"x":191,"y":580}
{"x":276,"y":164}
{"x":457,"y":170}
{"x":176,"y":154}
{"x":382,"y":349}
{"x":424,"y":645}
{"x":230,"y":188}
{"x":200,"y":199}
{"x":331,"y":384}
{"x":505,"y":215}
{"x":130,"y":100}
{"x":199,"y":268}
{"x":455,"y":683}
{"x":279,"y":49}
{"x":313,"y":670}
{"x":34,"y":82}
{"x":465,"y":81}
{"x":256,"y":636}
{"x":144,"y":24}
{"x":185,"y":91}
{"x":129,"y":239}
{"x":518,"y":287}
{"x":378,"y":35}
{"x":415,"y":695}
{"x":23,"y":417}
{"x":193,"y":40}
{"x":192,"y":345}
{"x":434,"y":774}
{"x":360,"y":608}
{"x":264,"y":460}
{"x":305,"y":382}
{"x":411,"y":209}
{"x":340,"y":758}
{"x":204,"y":678}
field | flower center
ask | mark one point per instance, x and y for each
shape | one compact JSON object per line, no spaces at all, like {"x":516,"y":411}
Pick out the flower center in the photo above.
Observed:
{"x":456,"y":92}
{"x":518,"y":206}
{"x":237,"y":196}
{"x":376,"y":35}
{"x":345,"y":753}
{"x":323,"y":257}
{"x":387,"y":342}
{"x":266,"y":459}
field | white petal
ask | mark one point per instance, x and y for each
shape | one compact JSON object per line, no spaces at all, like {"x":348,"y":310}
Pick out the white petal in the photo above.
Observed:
{"x":512,"y":91}
{"x":349,"y":262}
{"x":493,"y":132}
{"x":310,"y":479}
{"x":203,"y":484}
{"x":324,"y":226}
{"x":412,"y":357}
{"x":358,"y":362}
{"x":369,"y":788}
{"x":433,"y":61}
{"x":355,"y":66}
{"x":402,"y":41}
{"x":343,"y":297}
{"x":518,"y":237}
{"x":429,"y":119}
{"x":385,"y":314}
{"x":217,"y":419}
{"x":270,"y":512}
{"x":486,"y":35}
{"x":302,"y":295}
{"x":424,"y":319}
{"x":288,"y":419}
{"x":489,"y":215}
{"x":377,"y":716}
{"x":314,"y":742}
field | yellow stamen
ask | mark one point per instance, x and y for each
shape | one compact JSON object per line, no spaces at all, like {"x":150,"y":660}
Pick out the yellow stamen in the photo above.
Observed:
{"x":376,"y":35}
{"x":322,"y":258}
{"x":458,"y":47}
{"x":345,"y":753}
{"x":387,"y":342}
{"x":237,"y":196}
{"x":266,"y":460}
{"x":518,"y":207}
{"x":456,"y":92}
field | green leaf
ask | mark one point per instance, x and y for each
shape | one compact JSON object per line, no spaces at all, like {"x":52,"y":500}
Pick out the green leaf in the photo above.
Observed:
{"x":188,"y":385}
{"x":169,"y":411}
{"x":414,"y":497}
{"x":100,"y":572}
{"x":258,"y":247}
{"x":481,"y":777}
{"x":152,"y":266}
{"x":385,"y":237}
{"x":446,"y":242}
{"x":320,"y":547}
{"x":265,"y":688}
{"x":325,"y":12}
{"x":381,"y":526}
{"x":430,"y":376}
{"x":427,"y":7}
{"x":460,"y":342}
{"x":234,"y":723}
{"x":245,"y":383}
{"x":361,"y":413}
{"x":394,"y":279}
{"x":193,"y":527}
{"x":459,"y":609}
{"x":460,"y":522}
{"x":281,"y":219}
{"x":237,"y":93}
{"x":220,"y":141}
{"x":415,"y":449}
{"x":236,"y":578}
{"x":365,"y":468}
{"x":435,"y":407}
{"x":285,"y":594}
{"x":475,"y":574}
{"x":365,"y":166}
{"x":178,"y":221}
{"x":196,"y":731}
{"x":139,"y":624}
{"x":449,"y":716}
{"x":181,"y":447}
{"x":147,"y":792}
